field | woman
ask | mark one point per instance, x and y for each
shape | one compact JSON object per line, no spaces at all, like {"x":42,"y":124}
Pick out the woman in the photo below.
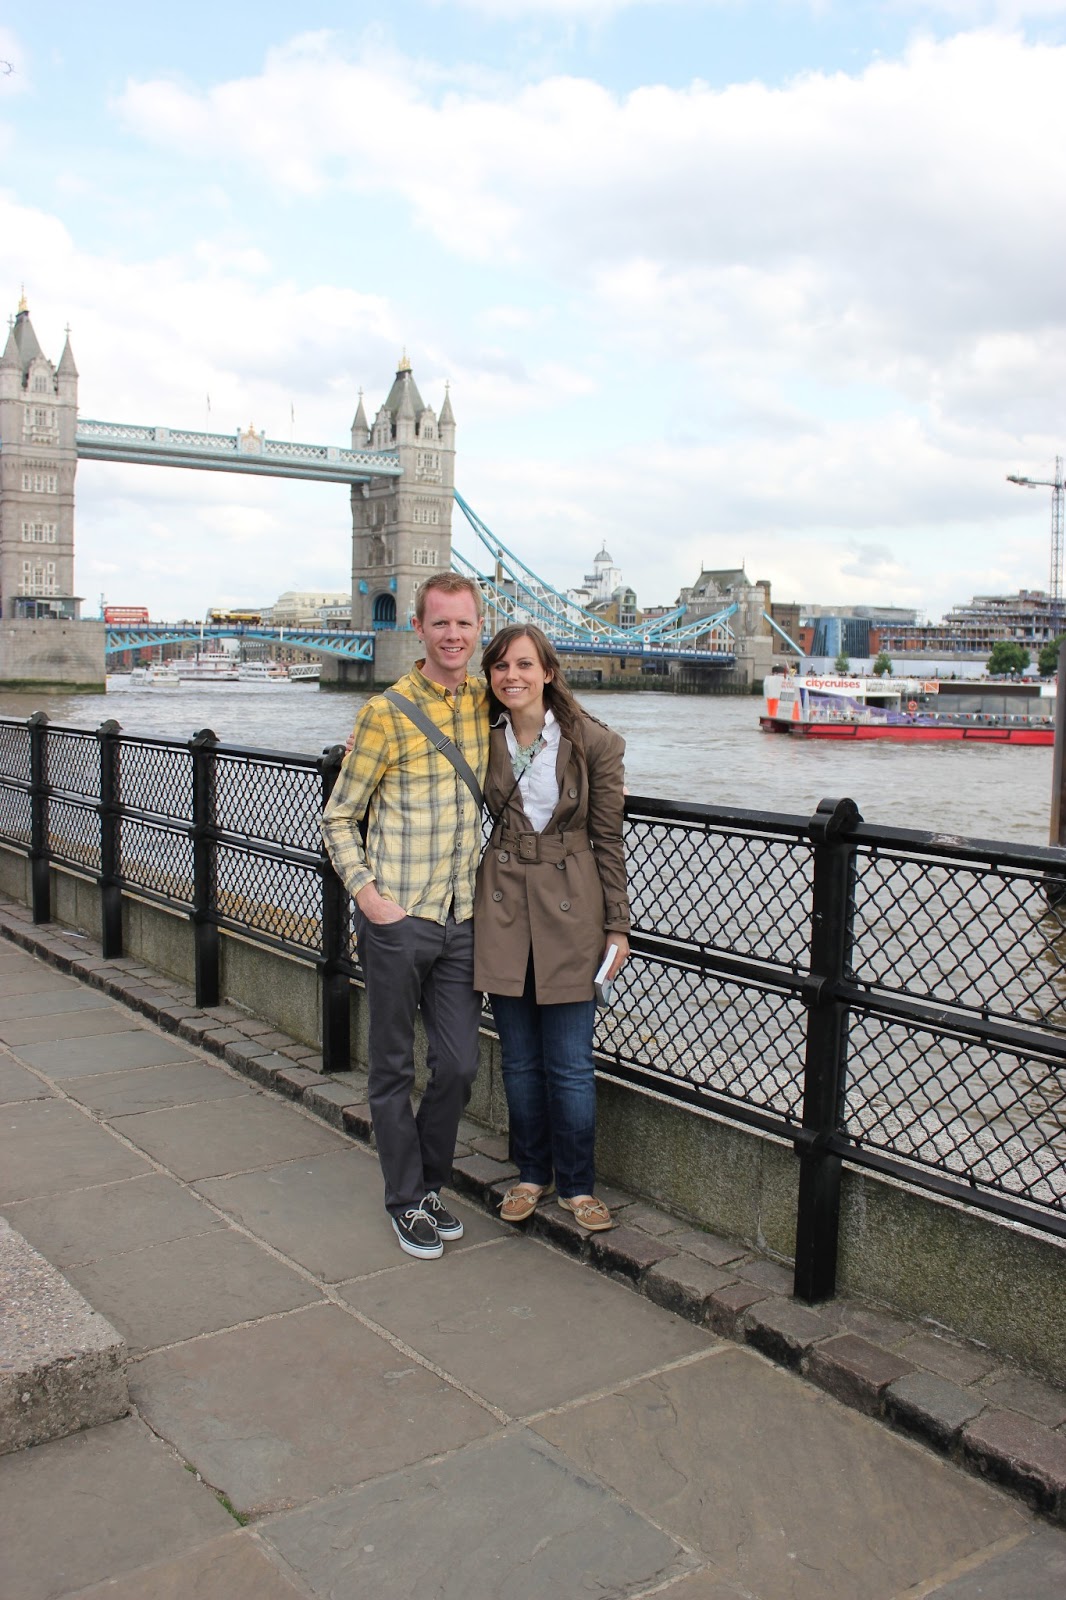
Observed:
{"x":551,"y":901}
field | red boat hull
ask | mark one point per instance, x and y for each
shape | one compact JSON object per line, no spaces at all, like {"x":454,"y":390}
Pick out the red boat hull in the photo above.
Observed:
{"x":912,"y":733}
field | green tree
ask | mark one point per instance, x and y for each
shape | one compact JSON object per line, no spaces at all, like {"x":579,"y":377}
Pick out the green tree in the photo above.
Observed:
{"x":842,"y":664}
{"x":1007,"y":657}
{"x":1048,"y":661}
{"x":883,"y":666}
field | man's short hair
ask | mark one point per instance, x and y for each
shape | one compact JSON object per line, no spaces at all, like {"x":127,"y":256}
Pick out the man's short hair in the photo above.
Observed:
{"x":448,"y":583}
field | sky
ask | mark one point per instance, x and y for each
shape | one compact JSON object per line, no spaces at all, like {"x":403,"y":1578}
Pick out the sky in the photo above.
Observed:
{"x":712,"y":282}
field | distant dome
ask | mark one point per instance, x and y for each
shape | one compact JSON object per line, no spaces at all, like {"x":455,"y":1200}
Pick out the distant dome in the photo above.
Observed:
{"x":603,"y":557}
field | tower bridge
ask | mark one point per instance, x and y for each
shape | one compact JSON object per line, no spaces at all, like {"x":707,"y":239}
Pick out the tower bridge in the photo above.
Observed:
{"x":400,"y":474}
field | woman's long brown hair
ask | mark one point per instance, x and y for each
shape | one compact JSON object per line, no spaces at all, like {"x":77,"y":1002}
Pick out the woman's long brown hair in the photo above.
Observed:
{"x":558,"y":696}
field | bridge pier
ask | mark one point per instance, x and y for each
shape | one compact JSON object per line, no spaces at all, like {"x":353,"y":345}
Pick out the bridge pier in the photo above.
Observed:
{"x":338,"y":672}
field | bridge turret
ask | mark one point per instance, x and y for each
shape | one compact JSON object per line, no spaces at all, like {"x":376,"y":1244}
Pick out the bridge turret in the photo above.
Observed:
{"x":401,"y":528}
{"x":38,"y":459}
{"x":360,"y":427}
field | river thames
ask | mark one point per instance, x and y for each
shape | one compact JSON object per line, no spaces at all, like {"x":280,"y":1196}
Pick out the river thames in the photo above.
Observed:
{"x":682,"y":747}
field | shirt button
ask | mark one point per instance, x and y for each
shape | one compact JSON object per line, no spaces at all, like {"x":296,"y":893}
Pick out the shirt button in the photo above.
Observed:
{"x":497,"y":894}
{"x":503,"y":856}
{"x":564,"y":905}
{"x":560,"y":866}
{"x":572,"y":793}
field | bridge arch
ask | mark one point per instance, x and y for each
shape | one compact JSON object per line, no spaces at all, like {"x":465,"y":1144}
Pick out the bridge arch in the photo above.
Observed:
{"x":384,"y":615}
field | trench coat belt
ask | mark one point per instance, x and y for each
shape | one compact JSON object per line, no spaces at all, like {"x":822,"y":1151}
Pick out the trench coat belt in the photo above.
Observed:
{"x":543,"y":846}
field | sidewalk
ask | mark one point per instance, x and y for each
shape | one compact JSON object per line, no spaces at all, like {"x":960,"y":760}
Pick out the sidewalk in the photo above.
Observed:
{"x":316,"y":1414}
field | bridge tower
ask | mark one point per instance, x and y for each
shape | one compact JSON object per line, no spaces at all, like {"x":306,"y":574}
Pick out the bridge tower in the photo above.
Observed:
{"x":38,"y":459}
{"x":401,"y":527}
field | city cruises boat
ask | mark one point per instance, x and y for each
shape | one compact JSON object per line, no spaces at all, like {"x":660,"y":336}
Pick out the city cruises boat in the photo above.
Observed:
{"x":156,"y":675}
{"x":911,"y":710}
{"x":207,"y":667}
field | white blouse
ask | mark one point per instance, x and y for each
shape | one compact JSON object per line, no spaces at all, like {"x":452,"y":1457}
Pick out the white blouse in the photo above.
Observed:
{"x":538,"y":785}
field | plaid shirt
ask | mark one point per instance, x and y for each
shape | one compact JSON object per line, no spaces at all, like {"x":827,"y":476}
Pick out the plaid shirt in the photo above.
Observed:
{"x":423,"y":837}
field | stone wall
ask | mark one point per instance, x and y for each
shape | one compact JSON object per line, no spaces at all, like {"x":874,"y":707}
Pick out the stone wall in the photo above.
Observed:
{"x":53,"y":655}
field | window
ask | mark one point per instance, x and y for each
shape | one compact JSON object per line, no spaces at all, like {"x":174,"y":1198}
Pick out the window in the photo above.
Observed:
{"x":40,"y":384}
{"x":38,"y":578}
{"x":38,"y":533}
{"x":40,"y":482}
{"x":424,"y":557}
{"x":426,"y":512}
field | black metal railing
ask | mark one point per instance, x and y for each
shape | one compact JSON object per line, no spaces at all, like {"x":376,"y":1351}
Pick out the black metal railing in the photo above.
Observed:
{"x":885,"y":998}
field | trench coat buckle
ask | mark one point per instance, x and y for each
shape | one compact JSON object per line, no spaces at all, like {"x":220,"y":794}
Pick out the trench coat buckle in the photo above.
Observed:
{"x":529,"y":846}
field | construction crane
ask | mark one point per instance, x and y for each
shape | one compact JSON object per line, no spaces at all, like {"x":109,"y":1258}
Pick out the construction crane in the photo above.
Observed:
{"x":1055,"y":484}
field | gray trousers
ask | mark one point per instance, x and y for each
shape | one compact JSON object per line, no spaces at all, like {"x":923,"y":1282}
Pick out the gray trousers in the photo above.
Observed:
{"x":413,"y":965}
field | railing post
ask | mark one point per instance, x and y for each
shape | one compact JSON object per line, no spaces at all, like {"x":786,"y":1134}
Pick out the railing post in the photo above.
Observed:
{"x":40,"y":870}
{"x":335,"y":986}
{"x":110,"y":855}
{"x":825,"y":1065}
{"x":205,"y":925}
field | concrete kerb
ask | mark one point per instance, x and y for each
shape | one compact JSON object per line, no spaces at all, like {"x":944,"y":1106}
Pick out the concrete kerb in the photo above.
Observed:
{"x":847,"y":1349}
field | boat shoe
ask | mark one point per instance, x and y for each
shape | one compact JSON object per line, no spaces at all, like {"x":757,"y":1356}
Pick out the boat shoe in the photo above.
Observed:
{"x":521,"y":1200}
{"x":588,"y":1213}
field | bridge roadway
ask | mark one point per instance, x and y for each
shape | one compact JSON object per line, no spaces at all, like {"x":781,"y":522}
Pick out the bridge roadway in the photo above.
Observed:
{"x":348,"y":645}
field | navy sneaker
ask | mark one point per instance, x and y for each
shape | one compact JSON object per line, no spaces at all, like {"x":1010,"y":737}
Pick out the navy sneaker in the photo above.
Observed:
{"x":417,"y":1234}
{"x":446,"y":1222}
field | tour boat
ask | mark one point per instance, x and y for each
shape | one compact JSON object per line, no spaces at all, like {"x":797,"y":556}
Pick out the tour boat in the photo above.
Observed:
{"x":912,"y":710}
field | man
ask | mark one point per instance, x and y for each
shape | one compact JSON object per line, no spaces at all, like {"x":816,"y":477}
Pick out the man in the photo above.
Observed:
{"x":413,"y":886}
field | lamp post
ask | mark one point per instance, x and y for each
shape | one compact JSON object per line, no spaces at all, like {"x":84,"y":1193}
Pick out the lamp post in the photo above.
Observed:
{"x":1055,"y":484}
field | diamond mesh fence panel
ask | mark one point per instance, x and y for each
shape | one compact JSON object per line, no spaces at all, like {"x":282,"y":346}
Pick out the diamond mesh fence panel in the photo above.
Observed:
{"x":15,"y":751}
{"x":277,"y":803}
{"x":282,"y":899}
{"x":156,"y":858}
{"x":718,"y":1035}
{"x":74,"y":762}
{"x":989,"y":1117}
{"x":721,"y":889}
{"x":983,"y":939}
{"x":74,"y":834}
{"x":15,"y":815}
{"x":156,"y":779}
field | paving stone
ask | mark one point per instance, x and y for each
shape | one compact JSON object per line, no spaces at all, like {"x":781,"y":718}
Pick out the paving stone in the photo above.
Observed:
{"x":123,"y":1094}
{"x":768,"y":1275}
{"x":684,"y":1285}
{"x":342,"y":1406}
{"x":783,"y":1330}
{"x":34,"y":979}
{"x":327,"y":1212}
{"x":189,"y":1286}
{"x":62,"y":1365}
{"x":218,"y":1038}
{"x":784,"y":1492}
{"x":1033,"y":1569}
{"x":110,"y":1218}
{"x":47,"y":1146}
{"x":627,"y":1252}
{"x":874,"y":1324}
{"x":956,"y":1362}
{"x":17,"y":1083}
{"x":509,"y":1519}
{"x":1018,"y":1452}
{"x":522,"y":1326}
{"x":227,"y":1013}
{"x":930,"y":1407}
{"x":328,"y":1098}
{"x":494,"y":1145}
{"x":708,"y":1247}
{"x":233,"y":1567}
{"x":726,"y":1307}
{"x":1012,"y":1391}
{"x":293,"y":1081}
{"x":76,"y":998}
{"x":263,"y":1066}
{"x":614,"y":1199}
{"x":473,"y":1174}
{"x":95,"y":1506}
{"x":356,"y":1122}
{"x":223,"y":1136}
{"x":110,"y":1052}
{"x":855,"y":1371}
{"x":649,"y":1220}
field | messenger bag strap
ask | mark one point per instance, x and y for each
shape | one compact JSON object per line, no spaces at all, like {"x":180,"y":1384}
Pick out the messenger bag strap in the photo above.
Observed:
{"x":439,"y":741}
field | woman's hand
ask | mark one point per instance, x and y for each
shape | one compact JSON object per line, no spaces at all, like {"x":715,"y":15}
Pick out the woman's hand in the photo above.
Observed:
{"x":621,"y":958}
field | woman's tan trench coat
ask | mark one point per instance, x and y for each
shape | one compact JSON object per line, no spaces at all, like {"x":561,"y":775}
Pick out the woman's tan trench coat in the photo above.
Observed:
{"x":559,"y":891}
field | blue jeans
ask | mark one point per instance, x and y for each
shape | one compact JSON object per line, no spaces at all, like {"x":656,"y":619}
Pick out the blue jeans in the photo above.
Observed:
{"x":551,"y":1088}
